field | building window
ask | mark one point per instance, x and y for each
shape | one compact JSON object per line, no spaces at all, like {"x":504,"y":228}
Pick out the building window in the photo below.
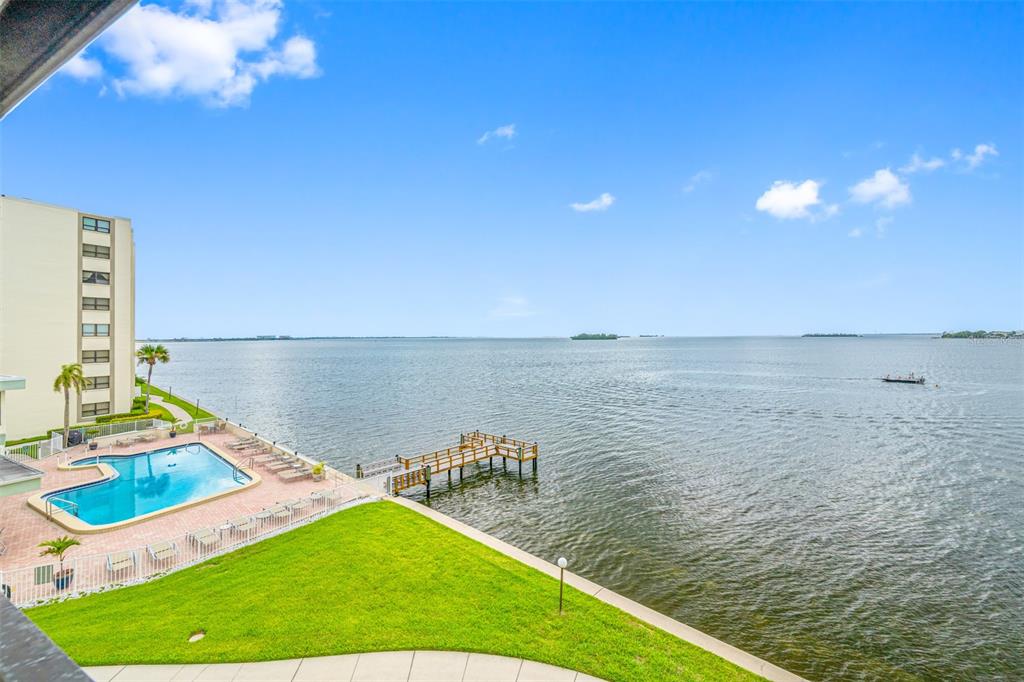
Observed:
{"x":96,"y":251}
{"x":90,"y":356}
{"x":90,"y":303}
{"x":95,"y":409}
{"x":95,"y":330}
{"x":96,"y":225}
{"x":99,"y":382}
{"x":93,"y":277}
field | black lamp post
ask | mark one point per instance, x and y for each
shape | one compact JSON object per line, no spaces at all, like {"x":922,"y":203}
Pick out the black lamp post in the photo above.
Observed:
{"x":562,"y":563}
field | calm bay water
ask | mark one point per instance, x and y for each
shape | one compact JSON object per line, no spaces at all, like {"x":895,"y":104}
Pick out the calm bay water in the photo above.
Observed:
{"x":768,"y":491}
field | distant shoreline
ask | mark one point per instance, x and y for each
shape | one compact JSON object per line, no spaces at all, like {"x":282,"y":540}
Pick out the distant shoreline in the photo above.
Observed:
{"x":830,"y":336}
{"x":215,"y":339}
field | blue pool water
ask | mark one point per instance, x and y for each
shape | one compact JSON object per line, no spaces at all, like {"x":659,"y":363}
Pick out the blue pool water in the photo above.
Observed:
{"x":149,"y":482}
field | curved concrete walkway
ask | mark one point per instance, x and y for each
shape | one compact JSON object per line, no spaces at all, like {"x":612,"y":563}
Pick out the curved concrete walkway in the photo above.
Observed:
{"x":387,"y":666}
{"x":178,"y":413}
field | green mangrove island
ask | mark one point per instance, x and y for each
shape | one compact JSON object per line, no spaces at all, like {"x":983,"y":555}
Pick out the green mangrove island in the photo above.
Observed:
{"x":982,"y":334}
{"x":594,"y":337}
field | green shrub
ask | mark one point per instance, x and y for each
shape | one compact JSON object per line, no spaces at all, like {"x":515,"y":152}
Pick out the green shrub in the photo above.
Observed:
{"x":22,"y":441}
{"x":131,"y":416}
{"x":111,"y":419}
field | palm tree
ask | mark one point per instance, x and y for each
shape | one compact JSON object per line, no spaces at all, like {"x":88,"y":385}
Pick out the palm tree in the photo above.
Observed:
{"x":69,"y":379}
{"x":57,"y":548}
{"x":150,"y":355}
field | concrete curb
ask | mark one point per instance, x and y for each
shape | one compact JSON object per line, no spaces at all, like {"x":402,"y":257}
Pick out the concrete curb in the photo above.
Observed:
{"x":741,"y":658}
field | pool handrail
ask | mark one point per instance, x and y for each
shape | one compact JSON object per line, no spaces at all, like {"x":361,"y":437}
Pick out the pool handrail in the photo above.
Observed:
{"x":50,"y":506}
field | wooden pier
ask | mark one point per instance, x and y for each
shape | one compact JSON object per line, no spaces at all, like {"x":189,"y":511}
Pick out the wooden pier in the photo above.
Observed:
{"x":475,"y":447}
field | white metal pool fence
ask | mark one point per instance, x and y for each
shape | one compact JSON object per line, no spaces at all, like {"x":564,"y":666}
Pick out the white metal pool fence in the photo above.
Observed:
{"x":39,"y":584}
{"x":42,"y":449}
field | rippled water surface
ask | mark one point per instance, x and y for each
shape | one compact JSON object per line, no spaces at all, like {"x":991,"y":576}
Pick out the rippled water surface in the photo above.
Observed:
{"x":768,"y":491}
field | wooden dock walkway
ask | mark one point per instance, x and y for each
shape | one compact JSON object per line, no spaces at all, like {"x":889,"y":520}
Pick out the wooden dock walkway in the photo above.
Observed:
{"x":474,"y":447}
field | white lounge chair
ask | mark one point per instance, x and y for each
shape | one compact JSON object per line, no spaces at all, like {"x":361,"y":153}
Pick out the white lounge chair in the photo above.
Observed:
{"x":329,"y":495}
{"x":243,"y":524}
{"x":205,"y":537}
{"x":298,"y":505}
{"x":263,"y":459}
{"x":294,"y":474}
{"x":121,"y":561}
{"x":279,"y":511}
{"x":162,"y":551}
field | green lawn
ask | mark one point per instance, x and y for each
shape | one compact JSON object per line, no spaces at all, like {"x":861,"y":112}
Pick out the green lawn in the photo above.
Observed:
{"x":376,"y":577}
{"x":161,"y":413}
{"x":183,"y":404}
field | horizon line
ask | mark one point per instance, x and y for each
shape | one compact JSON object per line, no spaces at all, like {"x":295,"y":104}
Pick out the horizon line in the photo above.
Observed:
{"x":541,"y":337}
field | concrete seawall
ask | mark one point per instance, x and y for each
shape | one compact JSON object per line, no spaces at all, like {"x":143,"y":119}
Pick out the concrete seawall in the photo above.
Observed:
{"x":730,"y":653}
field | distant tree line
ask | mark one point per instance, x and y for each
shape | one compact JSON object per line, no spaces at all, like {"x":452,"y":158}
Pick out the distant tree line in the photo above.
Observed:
{"x":980,"y":334}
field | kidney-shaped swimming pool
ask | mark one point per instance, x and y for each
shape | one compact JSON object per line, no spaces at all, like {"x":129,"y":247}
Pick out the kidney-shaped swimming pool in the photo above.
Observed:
{"x":148,"y":482}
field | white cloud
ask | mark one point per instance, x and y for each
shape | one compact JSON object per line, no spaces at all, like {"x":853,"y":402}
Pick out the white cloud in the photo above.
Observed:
{"x":511,"y":307}
{"x":917,"y":164}
{"x":202,"y":7}
{"x":217,"y":50}
{"x":855,"y":233}
{"x":697,"y":178}
{"x":884,"y":188}
{"x":976,"y":158}
{"x":881,"y":225}
{"x":827,"y":211}
{"x":787,"y":200}
{"x":506,"y":132}
{"x":83,"y":68}
{"x":602,"y":203}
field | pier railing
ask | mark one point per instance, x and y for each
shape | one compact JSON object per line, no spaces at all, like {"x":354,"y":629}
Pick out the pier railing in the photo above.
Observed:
{"x":480,"y":436}
{"x":440,"y":455}
{"x":392,"y":476}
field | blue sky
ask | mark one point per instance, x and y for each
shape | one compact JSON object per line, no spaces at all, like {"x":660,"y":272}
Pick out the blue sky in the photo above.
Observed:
{"x":525,"y":170}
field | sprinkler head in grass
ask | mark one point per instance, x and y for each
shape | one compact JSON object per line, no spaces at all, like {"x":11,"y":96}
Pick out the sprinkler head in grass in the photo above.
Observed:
{"x":196,"y":636}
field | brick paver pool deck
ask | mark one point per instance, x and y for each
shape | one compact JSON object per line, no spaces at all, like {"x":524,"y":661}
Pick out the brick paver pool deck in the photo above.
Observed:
{"x":387,"y":666}
{"x":24,"y":528}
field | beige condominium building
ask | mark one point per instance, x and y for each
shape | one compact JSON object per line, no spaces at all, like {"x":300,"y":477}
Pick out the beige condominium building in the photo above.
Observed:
{"x":67,"y":294}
